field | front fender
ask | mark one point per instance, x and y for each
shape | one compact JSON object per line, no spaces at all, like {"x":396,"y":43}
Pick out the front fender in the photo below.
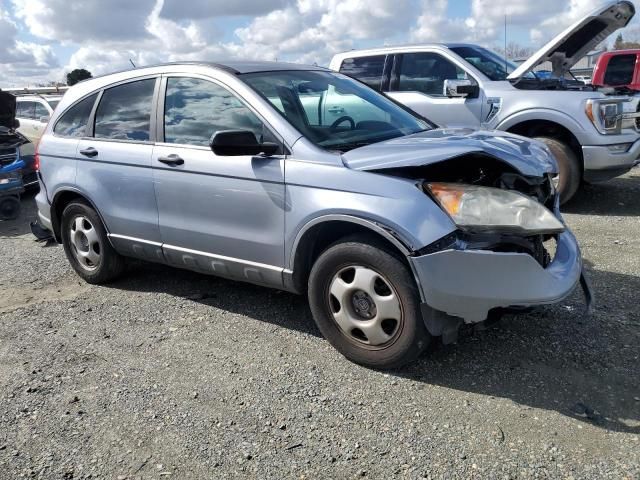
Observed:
{"x":391,"y":206}
{"x":546,"y":114}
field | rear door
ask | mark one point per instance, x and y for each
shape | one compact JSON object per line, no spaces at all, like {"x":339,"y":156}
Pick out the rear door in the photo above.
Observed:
{"x":218,"y":214}
{"x":418,"y":82}
{"x":114,"y":166}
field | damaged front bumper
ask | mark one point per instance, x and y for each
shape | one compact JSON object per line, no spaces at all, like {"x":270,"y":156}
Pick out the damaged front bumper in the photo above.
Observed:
{"x":469,"y":283}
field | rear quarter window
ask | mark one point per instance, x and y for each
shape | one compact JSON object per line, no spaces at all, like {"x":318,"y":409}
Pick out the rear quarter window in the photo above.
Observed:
{"x":73,"y":123}
{"x":368,"y":70}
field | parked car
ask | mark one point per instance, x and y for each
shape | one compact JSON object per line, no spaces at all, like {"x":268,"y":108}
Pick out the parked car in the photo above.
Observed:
{"x":466,"y":85}
{"x":397,"y":231}
{"x":33,"y":111}
{"x":586,"y":79}
{"x":15,"y":148}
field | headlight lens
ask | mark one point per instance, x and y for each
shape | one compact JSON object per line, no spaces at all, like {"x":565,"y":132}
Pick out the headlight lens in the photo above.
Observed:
{"x":477,"y":208}
{"x":606,"y":115}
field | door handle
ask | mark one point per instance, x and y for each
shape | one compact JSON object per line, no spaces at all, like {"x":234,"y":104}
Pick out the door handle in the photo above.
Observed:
{"x":336,"y":110}
{"x":89,"y":152}
{"x":171,"y":160}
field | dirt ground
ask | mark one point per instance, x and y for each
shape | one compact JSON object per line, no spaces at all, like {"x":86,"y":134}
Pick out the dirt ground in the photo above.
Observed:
{"x":172,"y":374}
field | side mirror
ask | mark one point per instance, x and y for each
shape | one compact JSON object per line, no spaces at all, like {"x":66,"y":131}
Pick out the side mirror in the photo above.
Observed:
{"x":240,"y":142}
{"x":460,"y":89}
{"x":16,"y":123}
{"x":44,"y":119}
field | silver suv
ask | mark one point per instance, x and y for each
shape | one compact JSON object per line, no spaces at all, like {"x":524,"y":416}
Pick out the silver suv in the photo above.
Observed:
{"x":397,"y":231}
{"x":588,"y":131}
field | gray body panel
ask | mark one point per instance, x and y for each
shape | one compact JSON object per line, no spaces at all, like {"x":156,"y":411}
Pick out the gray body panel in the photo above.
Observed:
{"x":244,"y":217}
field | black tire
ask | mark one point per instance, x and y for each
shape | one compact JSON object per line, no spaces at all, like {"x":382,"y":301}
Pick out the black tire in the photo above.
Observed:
{"x":411,"y":337}
{"x":111,"y":264}
{"x":569,"y":169}
{"x":9,"y":207}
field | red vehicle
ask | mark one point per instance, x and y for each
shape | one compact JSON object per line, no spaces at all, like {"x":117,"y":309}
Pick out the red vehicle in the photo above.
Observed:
{"x":619,"y":69}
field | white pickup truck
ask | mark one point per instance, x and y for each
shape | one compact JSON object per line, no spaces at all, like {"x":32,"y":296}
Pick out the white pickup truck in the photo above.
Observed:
{"x":465,"y":85}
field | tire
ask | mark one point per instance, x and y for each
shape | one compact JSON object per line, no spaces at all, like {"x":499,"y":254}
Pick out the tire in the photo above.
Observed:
{"x":569,"y":170}
{"x":9,"y":207}
{"x":86,"y":245}
{"x":354,"y":323}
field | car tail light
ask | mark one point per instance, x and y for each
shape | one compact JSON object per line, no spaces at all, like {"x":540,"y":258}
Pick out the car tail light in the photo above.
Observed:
{"x":36,"y":157}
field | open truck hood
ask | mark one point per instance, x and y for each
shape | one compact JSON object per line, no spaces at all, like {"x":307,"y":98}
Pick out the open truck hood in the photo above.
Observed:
{"x":575,"y":42}
{"x":7,"y":110}
{"x":527,"y":156}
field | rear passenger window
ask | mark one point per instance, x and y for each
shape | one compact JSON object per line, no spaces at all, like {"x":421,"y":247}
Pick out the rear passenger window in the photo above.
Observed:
{"x":426,"y":73}
{"x":73,"y":122}
{"x":26,"y":110}
{"x":620,"y":70}
{"x":368,"y":70}
{"x":124,"y":112}
{"x":41,"y":111}
{"x":195,"y":109}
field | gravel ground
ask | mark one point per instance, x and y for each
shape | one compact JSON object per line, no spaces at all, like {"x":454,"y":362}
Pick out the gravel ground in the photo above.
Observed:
{"x":171,"y":374}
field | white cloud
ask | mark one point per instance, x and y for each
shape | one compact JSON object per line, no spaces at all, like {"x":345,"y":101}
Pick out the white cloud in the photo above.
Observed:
{"x":107,"y":33}
{"x":19,"y":59}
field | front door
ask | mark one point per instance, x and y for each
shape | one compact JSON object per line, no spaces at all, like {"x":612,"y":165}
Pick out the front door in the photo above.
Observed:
{"x":218,"y":214}
{"x":418,"y":82}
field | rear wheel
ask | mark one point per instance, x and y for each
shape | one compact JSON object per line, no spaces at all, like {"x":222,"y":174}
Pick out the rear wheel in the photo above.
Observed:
{"x":366,"y":304}
{"x":86,"y":245}
{"x":569,"y":171}
{"x":9,"y":207}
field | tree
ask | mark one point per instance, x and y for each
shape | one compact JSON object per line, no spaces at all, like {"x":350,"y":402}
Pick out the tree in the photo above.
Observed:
{"x":77,"y":75}
{"x":620,"y":44}
{"x":515,"y":51}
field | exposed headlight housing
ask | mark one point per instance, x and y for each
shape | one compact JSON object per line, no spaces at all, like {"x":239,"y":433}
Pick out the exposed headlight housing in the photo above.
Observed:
{"x":475,"y":208}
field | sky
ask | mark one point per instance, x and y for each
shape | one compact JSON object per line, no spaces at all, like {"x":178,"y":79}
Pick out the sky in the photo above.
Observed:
{"x":42,"y":40}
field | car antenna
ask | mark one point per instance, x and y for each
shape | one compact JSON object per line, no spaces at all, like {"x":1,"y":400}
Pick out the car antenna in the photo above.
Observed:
{"x":505,"y":43}
{"x":134,"y":65}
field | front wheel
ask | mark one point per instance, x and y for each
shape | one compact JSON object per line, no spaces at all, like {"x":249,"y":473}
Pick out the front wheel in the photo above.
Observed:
{"x":86,"y":245}
{"x":366,"y":304}
{"x":569,"y":171}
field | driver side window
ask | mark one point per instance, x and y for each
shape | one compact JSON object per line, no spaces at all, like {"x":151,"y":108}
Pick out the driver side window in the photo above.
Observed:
{"x":426,"y":72}
{"x":195,"y":109}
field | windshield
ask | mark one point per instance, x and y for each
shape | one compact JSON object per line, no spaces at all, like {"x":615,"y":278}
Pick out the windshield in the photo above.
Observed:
{"x":494,"y":66}
{"x":53,"y":103}
{"x":334,"y":111}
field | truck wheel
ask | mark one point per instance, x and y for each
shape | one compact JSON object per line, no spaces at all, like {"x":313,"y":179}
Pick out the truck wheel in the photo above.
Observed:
{"x":569,"y":171}
{"x":9,"y":207}
{"x":366,"y":304}
{"x":86,"y":245}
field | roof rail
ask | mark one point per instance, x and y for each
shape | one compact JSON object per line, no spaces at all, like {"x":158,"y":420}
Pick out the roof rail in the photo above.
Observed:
{"x":37,"y":90}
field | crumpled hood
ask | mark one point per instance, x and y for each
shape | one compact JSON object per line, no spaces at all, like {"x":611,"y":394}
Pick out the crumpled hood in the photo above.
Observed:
{"x":527,"y":156}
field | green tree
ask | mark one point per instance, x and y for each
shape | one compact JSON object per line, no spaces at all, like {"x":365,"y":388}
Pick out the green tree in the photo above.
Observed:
{"x":77,"y":75}
{"x":619,"y":43}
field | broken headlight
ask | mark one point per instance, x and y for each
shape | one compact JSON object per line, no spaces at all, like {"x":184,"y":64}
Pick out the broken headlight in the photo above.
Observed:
{"x":476,"y":208}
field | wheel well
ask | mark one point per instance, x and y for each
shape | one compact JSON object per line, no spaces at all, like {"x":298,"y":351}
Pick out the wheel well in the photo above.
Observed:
{"x":60,"y":202}
{"x":546,"y":128}
{"x":319,"y":237}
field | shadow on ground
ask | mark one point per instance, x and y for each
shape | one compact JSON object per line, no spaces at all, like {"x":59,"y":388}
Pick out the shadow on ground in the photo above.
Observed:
{"x":552,"y":359}
{"x":617,"y":197}
{"x":20,"y":226}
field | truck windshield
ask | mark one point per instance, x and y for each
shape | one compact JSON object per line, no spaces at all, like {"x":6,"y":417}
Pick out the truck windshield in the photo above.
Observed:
{"x":494,"y":66}
{"x":334,"y":111}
